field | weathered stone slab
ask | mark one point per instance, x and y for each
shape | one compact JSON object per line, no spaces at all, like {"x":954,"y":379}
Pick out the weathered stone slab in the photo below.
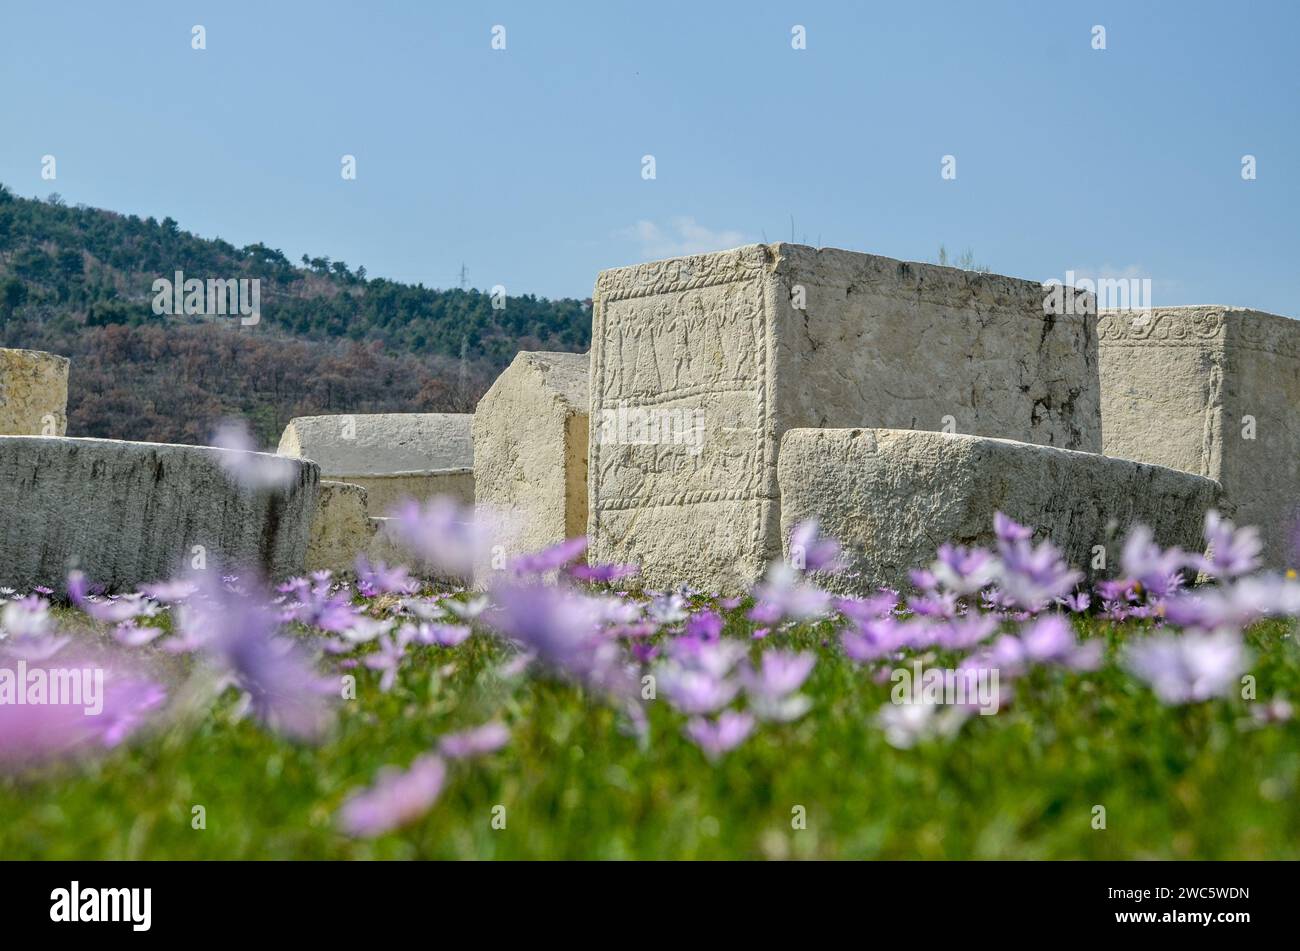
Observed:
{"x":127,"y":512}
{"x":1214,"y":391}
{"x":33,"y":393}
{"x":381,"y":443}
{"x":341,"y":529}
{"x":891,"y":497}
{"x":729,"y":350}
{"x":388,"y":491}
{"x":530,"y":452}
{"x":395,"y":456}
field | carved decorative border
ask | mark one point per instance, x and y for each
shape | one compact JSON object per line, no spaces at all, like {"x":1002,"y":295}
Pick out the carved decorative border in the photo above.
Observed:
{"x":680,"y":274}
{"x":1190,"y":327}
{"x":1167,"y":327}
{"x":677,"y":276}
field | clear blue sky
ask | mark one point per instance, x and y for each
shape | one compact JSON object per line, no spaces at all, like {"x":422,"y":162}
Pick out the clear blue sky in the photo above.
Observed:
{"x":525,"y":164}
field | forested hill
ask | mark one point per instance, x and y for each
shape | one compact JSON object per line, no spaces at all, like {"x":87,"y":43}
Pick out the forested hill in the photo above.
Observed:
{"x":79,"y":282}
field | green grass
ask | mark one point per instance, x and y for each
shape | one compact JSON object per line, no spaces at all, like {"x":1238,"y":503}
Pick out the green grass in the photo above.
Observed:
{"x":1185,"y":782}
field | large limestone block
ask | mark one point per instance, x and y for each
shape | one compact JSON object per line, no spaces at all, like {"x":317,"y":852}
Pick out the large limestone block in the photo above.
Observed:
{"x":1213,"y":391}
{"x":530,"y":451}
{"x":395,"y":456}
{"x":737,"y":347}
{"x":891,"y":497}
{"x":388,"y":492}
{"x":381,"y":443}
{"x":341,"y":528}
{"x":130,"y":512}
{"x":33,"y":393}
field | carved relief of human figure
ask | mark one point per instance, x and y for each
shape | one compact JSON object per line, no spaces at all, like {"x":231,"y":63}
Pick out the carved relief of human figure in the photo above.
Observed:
{"x":646,"y":376}
{"x":613,"y":361}
{"x":679,"y":332}
{"x":665,"y":357}
{"x":745,"y":337}
{"x":708,"y":358}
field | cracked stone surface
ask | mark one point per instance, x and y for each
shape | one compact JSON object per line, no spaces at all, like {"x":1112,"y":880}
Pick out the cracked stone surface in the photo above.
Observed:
{"x":33,"y":393}
{"x":730,"y":350}
{"x":130,"y":512}
{"x":1214,"y":391}
{"x":891,"y":497}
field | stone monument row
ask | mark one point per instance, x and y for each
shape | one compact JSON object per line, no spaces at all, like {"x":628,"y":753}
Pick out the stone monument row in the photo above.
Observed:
{"x":726,"y":398}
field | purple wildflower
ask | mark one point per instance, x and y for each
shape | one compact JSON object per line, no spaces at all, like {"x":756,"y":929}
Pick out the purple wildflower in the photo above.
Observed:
{"x":396,"y":798}
{"x":32,"y":733}
{"x":1232,"y":551}
{"x":1190,"y":667}
{"x":810,"y":552}
{"x":716,"y":737}
{"x":110,"y":612}
{"x":779,"y":673}
{"x":771,"y":688}
{"x":1009,"y":532}
{"x":550,"y":559}
{"x":695,"y":691}
{"x":444,"y":534}
{"x":880,"y":604}
{"x":442,"y":635}
{"x":1158,"y":570}
{"x":705,"y":625}
{"x":388,"y":658}
{"x":1034,"y":576}
{"x":240,"y":459}
{"x":784,"y":595}
{"x":238,"y":632}
{"x":478,"y":741}
{"x":379,"y":578}
{"x":964,"y":570}
{"x":605,"y":573}
{"x":562,"y":628}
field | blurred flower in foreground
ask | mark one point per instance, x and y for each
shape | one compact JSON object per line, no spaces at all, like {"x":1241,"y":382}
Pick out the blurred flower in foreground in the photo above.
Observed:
{"x":112,"y":701}
{"x":906,"y":724}
{"x":562,"y":628}
{"x":1033,"y":576}
{"x":771,"y":687}
{"x":243,"y":463}
{"x":396,"y":798}
{"x":785,"y":595}
{"x":550,"y":559}
{"x":810,"y":552}
{"x":26,"y":617}
{"x":1187,"y":668}
{"x":964,"y":570}
{"x":239,"y":633}
{"x":444,"y":534}
{"x":1232,"y":551}
{"x":478,"y":741}
{"x":113,"y":611}
{"x":715,"y":737}
{"x":605,"y":573}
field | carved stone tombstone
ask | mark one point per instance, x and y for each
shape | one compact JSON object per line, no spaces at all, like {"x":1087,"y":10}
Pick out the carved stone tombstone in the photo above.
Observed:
{"x":1214,"y":391}
{"x":395,"y":456}
{"x":530,"y":455}
{"x":699,"y":364}
{"x":891,"y":497}
{"x":131,"y":512}
{"x":33,"y":393}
